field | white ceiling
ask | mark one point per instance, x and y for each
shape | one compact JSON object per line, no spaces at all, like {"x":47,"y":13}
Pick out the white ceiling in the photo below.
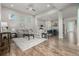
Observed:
{"x":23,"y":7}
{"x":68,"y":12}
{"x":41,"y":8}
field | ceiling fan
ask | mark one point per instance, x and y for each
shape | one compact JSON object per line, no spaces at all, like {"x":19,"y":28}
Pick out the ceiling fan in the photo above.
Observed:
{"x":30,"y":7}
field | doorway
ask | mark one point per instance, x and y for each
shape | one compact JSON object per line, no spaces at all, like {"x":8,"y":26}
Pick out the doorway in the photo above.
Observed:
{"x":71,"y":29}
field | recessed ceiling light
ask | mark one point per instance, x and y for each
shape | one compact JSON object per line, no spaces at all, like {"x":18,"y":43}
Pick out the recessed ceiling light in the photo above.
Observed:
{"x":11,"y":5}
{"x":48,"y":5}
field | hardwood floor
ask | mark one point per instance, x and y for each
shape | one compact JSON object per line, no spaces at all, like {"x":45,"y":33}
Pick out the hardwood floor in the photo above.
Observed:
{"x":51,"y":47}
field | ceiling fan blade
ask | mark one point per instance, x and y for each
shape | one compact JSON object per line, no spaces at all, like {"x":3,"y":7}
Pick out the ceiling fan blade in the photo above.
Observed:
{"x":33,"y":9}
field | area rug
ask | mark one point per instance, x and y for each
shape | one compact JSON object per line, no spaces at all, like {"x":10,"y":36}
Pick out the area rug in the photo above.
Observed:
{"x":24,"y":43}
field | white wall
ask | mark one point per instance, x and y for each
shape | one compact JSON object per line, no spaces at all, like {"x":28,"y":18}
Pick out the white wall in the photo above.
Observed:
{"x":22,"y":20}
{"x":0,"y":17}
{"x":78,"y":26}
{"x":0,"y":12}
{"x":41,"y":22}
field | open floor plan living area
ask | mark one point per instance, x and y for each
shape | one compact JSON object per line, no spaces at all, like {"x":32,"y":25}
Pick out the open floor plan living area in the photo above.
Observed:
{"x":39,"y":29}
